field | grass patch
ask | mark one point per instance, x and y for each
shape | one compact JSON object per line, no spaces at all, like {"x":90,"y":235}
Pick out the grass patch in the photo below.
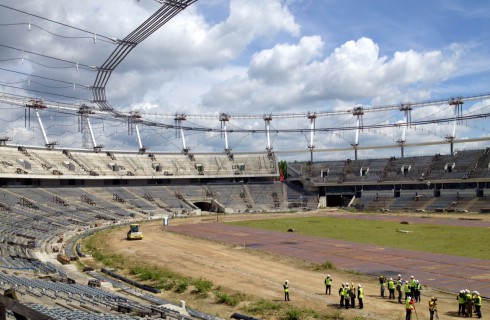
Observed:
{"x":422,"y":237}
{"x":202,"y":286}
{"x":327,"y":265}
{"x":231,"y":300}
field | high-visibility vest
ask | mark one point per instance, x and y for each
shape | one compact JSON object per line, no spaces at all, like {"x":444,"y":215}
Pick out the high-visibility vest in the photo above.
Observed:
{"x":328,"y":281}
{"x":477,"y":301}
{"x":461,"y":298}
{"x":407,"y":288}
{"x":469,"y":298}
{"x":286,"y":287}
{"x":432,"y":305}
{"x":391,"y":284}
{"x":413,"y":283}
{"x":408,"y":305}
{"x":360,"y":293}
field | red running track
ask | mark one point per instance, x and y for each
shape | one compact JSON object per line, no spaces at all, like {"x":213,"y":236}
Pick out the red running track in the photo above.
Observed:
{"x":444,"y":272}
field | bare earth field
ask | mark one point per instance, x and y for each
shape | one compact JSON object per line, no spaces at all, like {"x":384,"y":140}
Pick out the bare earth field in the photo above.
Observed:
{"x":261,"y":275}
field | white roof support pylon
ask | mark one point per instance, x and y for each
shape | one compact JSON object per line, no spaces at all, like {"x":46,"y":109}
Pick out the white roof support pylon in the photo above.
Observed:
{"x":140,"y":143}
{"x":224,"y":118}
{"x":268,"y":119}
{"x":91,"y":133}
{"x":458,"y":114}
{"x":42,"y":127}
{"x":311,"y":146}
{"x":359,"y":113}
{"x":178,"y":121}
{"x":407,"y":120}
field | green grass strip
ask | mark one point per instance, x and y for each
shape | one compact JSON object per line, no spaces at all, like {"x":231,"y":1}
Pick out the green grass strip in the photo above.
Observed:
{"x":471,"y":242}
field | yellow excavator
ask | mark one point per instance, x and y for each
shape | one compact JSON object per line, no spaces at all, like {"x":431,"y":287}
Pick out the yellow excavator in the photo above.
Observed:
{"x":134,"y":232}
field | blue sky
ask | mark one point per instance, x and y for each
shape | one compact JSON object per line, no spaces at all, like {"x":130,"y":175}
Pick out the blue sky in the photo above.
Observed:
{"x":270,"y":56}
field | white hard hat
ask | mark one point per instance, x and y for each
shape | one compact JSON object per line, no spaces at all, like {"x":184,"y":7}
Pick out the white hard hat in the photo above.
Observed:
{"x":417,"y":281}
{"x":359,"y":285}
{"x":477,"y":293}
{"x":399,"y":275}
{"x":411,"y":277}
{"x":467,"y":291}
{"x":328,"y":275}
{"x":391,"y":278}
{"x":287,"y":281}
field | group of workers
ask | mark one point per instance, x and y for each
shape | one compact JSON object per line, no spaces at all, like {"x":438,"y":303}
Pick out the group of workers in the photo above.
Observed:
{"x":467,"y":300}
{"x":348,"y":293}
{"x":411,"y":288}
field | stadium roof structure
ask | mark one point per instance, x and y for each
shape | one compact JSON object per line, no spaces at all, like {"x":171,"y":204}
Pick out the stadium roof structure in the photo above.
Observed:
{"x":350,"y":128}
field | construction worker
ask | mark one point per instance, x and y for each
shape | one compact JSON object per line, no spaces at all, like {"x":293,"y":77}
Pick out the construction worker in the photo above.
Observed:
{"x":346,"y":296}
{"x":461,"y":297}
{"x":341,"y":294}
{"x":352,"y":295}
{"x":469,"y":303}
{"x":328,"y":285}
{"x":408,"y":290}
{"x":360,"y":296}
{"x":432,"y":307}
{"x":409,"y":308}
{"x":382,"y":281}
{"x":418,"y":288}
{"x":286,"y":290}
{"x":477,"y":302}
{"x":391,"y":288}
{"x":399,"y":285}
{"x":413,"y":283}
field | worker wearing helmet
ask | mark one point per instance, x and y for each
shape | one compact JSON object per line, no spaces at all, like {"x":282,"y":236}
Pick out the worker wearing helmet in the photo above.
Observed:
{"x":399,"y":285}
{"x":328,"y":285}
{"x":341,"y":294}
{"x":409,"y":302}
{"x":286,"y":290}
{"x":413,"y":283}
{"x":382,"y":281}
{"x":360,"y":296}
{"x":408,"y":290}
{"x":477,"y":303}
{"x":432,"y":307}
{"x":418,"y":288}
{"x":461,"y":297}
{"x":391,"y":288}
{"x":469,"y":303}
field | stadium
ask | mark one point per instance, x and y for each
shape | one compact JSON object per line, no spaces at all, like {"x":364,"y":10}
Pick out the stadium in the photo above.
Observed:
{"x":71,"y":166}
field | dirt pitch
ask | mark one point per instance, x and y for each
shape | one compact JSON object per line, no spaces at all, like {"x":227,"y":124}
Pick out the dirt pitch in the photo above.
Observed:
{"x":261,"y":274}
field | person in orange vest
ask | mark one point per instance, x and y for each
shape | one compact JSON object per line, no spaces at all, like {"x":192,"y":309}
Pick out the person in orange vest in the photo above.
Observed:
{"x":409,"y":302}
{"x":432,"y":307}
{"x":286,"y":290}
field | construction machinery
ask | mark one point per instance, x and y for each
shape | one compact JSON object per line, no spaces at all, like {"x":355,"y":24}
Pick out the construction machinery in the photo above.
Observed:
{"x":134,"y":232}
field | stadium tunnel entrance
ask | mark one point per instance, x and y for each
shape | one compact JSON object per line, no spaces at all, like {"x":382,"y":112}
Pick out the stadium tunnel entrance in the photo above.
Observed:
{"x":210,"y":206}
{"x":339,"y":200}
{"x":204,"y":205}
